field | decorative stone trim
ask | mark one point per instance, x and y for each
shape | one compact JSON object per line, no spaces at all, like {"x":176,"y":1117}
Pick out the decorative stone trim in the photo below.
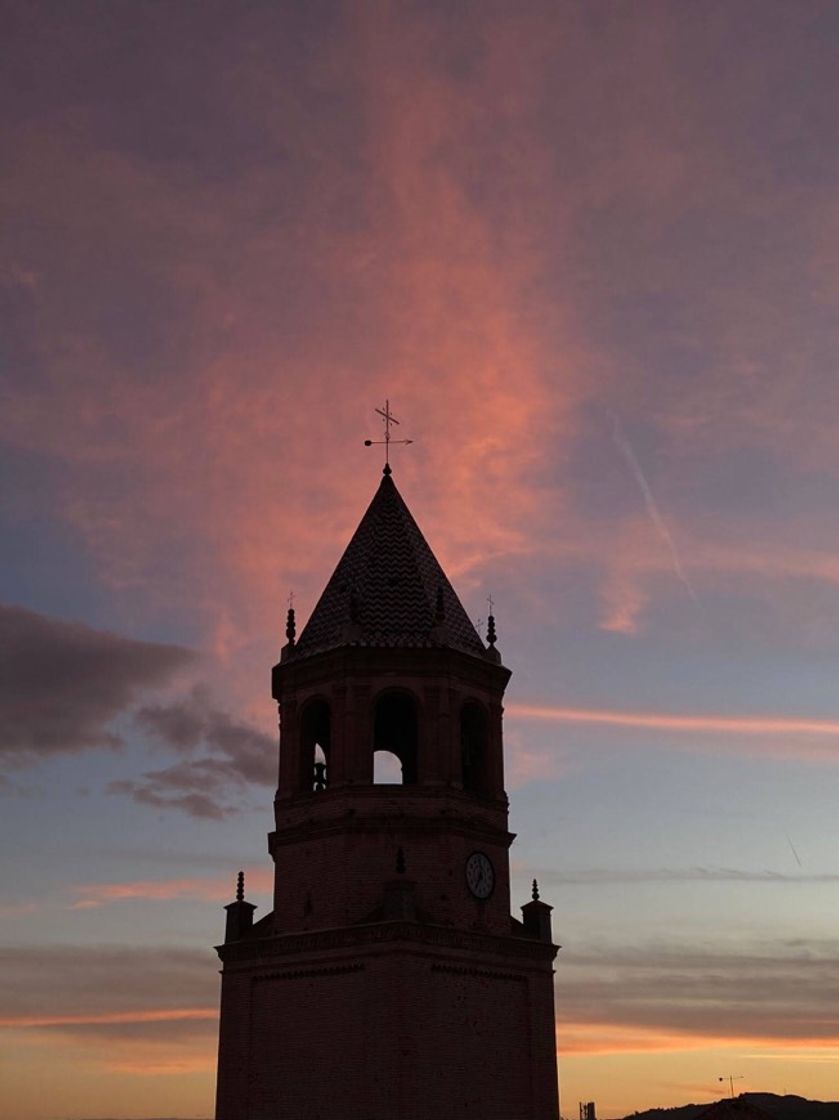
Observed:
{"x":254,"y":950}
{"x":482,"y":973}
{"x":304,"y":973}
{"x":332,"y":826}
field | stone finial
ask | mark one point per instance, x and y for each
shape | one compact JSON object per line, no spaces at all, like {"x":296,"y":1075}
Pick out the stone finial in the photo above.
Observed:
{"x":239,"y":913}
{"x":400,"y":862}
{"x":492,"y":637}
{"x":491,"y":653}
{"x":537,"y":917}
{"x":290,"y":626}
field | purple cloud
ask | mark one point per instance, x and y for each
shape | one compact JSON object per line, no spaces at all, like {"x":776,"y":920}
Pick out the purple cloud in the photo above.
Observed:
{"x":63,"y":683}
{"x":224,"y":756}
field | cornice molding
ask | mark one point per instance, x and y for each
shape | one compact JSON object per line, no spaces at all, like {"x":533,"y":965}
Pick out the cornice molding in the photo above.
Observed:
{"x":310,"y":830}
{"x":261,"y":950}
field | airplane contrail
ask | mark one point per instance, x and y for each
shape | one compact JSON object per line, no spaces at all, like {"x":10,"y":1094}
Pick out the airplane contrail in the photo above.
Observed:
{"x":625,"y":447}
{"x":794,"y":852}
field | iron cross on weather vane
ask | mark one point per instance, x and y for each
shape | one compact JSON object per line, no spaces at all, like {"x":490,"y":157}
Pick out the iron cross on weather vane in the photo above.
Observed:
{"x":388,"y":418}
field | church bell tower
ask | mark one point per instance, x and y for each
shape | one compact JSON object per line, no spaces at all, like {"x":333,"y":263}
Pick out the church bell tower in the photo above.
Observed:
{"x":390,"y":981}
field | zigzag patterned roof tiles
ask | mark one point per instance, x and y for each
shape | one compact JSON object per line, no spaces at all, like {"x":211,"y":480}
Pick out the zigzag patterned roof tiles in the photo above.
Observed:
{"x":387,"y":589}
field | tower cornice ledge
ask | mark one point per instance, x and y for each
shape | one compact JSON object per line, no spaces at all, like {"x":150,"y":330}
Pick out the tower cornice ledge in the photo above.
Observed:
{"x":257,"y":951}
{"x":311,"y":829}
{"x":355,"y":803}
{"x":355,"y":660}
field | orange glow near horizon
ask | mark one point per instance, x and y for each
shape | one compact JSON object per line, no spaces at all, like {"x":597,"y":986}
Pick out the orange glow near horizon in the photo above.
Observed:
{"x":163,"y":1015}
{"x":609,"y":1038}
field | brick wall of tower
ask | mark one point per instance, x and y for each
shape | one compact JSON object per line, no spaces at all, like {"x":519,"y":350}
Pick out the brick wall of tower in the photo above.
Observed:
{"x":309,"y":1040}
{"x":397,"y":1032}
{"x":337,"y":878}
{"x":234,"y":1042}
{"x":478,"y":1055}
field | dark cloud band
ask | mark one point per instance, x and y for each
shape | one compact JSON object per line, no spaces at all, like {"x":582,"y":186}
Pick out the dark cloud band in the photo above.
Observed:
{"x":63,"y":683}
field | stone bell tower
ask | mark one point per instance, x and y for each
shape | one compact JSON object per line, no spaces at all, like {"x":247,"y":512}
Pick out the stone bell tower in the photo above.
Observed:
{"x":390,"y":982}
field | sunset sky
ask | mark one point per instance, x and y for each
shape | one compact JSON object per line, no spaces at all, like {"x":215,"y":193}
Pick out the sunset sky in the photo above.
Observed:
{"x":590,"y":252}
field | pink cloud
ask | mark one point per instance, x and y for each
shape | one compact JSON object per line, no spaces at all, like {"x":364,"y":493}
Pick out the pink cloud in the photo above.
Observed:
{"x":524,"y":763}
{"x":405,"y":270}
{"x":711,"y":724}
{"x":802,"y":739}
{"x":93,"y":895}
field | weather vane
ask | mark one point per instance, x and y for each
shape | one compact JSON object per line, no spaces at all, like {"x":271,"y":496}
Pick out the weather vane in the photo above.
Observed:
{"x":387,"y":418}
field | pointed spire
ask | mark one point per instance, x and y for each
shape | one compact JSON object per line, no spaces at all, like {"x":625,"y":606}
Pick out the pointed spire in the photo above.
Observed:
{"x":386,"y":590}
{"x":535,"y":891}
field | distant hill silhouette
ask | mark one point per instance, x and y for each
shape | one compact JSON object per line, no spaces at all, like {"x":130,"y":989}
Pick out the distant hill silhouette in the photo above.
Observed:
{"x":779,"y":1108}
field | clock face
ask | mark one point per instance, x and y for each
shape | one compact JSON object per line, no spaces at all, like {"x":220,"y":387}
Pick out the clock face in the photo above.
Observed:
{"x":480,"y":875}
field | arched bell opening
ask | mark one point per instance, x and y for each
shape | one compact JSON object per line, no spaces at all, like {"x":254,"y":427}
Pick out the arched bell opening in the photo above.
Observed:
{"x":315,"y":741}
{"x":474,"y":738}
{"x":387,"y":769}
{"x":395,"y":734}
